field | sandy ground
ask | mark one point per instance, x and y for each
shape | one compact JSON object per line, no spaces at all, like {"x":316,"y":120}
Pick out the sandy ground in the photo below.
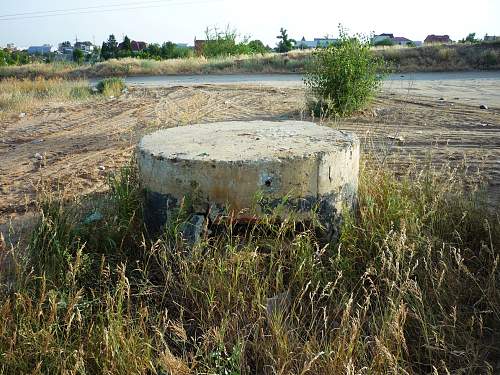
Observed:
{"x":77,"y":141}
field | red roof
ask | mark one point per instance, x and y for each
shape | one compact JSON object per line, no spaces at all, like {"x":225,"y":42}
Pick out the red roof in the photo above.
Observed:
{"x":138,"y":46}
{"x":437,"y":39}
{"x":400,"y":39}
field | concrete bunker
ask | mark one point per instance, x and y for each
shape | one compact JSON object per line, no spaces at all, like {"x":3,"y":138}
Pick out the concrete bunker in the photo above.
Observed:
{"x":222,"y":167}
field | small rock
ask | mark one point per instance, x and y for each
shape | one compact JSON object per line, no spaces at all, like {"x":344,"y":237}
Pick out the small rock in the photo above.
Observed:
{"x":102,"y":168}
{"x":93,"y":218}
{"x":125,"y":91}
{"x":94,"y":90}
{"x":398,"y":138}
{"x":22,"y":114}
{"x":192,"y":229}
{"x":37,"y":141}
{"x":215,"y":212}
{"x":483,"y":106}
{"x":112,"y":97}
{"x":38,"y":156}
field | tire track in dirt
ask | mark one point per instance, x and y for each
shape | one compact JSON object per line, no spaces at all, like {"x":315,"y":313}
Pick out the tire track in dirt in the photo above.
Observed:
{"x":76,"y":139}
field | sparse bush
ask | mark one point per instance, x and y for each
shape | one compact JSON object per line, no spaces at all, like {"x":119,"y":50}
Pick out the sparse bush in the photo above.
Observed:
{"x":111,"y":86}
{"x":343,"y":78}
{"x":220,"y":43}
{"x":490,"y":59}
{"x":78,"y":56}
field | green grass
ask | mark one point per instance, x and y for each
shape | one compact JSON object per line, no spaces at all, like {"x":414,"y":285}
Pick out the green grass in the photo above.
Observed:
{"x":111,"y":86}
{"x":412,"y":287}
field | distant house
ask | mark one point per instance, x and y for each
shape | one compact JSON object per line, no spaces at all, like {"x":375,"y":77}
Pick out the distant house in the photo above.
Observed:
{"x":325,"y":42}
{"x":65,"y":48}
{"x":382,"y":37}
{"x":305,"y":44}
{"x":437,"y":39}
{"x":316,"y":43}
{"x":401,"y":41}
{"x":138,"y":46}
{"x":491,"y":38}
{"x":390,"y":39}
{"x":199,"y":44}
{"x":40,"y":50}
{"x":11,"y":47}
{"x":135,"y":46}
{"x":86,"y":47}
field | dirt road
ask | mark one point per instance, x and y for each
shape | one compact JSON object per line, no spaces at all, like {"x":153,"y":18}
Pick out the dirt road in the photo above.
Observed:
{"x":78,"y":144}
{"x":476,"y":88}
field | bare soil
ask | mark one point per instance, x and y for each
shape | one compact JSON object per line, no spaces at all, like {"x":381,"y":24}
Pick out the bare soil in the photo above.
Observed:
{"x":79,"y":144}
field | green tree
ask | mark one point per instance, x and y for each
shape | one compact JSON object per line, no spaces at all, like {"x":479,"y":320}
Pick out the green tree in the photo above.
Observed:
{"x":342,"y":78}
{"x":471,"y":38}
{"x":109,"y":49}
{"x":78,"y":55}
{"x":126,"y":44}
{"x":285,"y":44}
{"x":167,"y":50}
{"x":256,"y":46}
{"x":125,"y":49}
{"x":3,"y":57}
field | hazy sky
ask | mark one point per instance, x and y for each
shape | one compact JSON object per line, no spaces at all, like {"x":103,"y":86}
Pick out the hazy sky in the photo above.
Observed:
{"x":182,"y":20}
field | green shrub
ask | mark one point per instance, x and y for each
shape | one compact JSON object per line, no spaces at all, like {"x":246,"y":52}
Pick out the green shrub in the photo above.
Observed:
{"x":385,"y":42}
{"x":489,"y":58}
{"x":342,"y":78}
{"x":111,"y":86}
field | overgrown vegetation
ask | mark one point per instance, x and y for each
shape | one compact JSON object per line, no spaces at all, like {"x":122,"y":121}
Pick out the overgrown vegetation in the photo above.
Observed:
{"x":438,"y":58}
{"x":412,"y":287}
{"x":8,"y":57}
{"x":343,"y":78}
{"x":21,"y":95}
{"x":225,"y":43}
{"x":111,"y":86}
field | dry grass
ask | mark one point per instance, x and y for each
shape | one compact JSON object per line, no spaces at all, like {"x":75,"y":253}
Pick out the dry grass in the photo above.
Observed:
{"x":442,"y":58}
{"x":22,"y":95}
{"x":429,"y":58}
{"x":413,"y":287}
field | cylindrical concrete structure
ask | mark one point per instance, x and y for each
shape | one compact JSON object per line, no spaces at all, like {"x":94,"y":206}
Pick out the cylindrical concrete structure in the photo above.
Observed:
{"x":222,"y":168}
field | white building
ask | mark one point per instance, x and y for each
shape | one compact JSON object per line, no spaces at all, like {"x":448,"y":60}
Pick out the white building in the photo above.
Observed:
{"x":316,"y":43}
{"x":40,"y":50}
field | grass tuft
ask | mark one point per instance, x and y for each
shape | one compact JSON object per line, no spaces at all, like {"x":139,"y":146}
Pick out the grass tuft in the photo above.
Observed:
{"x":111,"y":86}
{"x":412,"y":287}
{"x":23,"y":95}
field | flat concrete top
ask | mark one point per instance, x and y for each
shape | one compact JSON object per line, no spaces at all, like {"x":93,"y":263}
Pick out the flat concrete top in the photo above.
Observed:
{"x":244,"y":141}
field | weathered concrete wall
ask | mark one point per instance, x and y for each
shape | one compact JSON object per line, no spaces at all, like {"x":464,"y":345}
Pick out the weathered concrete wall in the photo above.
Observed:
{"x":229,"y":164}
